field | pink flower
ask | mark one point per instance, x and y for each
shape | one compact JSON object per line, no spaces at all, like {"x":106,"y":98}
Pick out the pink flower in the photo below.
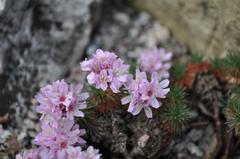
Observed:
{"x":29,"y":154}
{"x":156,"y":60}
{"x":74,"y":153}
{"x":46,"y":153}
{"x":106,"y":70}
{"x":119,"y":74}
{"x":102,"y":60}
{"x":59,"y":135}
{"x":101,"y":80}
{"x":90,"y":153}
{"x":144,"y":94}
{"x":59,"y":100}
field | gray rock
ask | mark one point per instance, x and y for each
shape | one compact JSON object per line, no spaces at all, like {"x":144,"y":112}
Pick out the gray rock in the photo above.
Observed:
{"x":195,"y":134}
{"x":193,"y":149}
{"x":39,"y":42}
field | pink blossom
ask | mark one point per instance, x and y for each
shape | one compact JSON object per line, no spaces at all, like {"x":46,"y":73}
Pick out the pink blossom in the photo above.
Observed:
{"x":59,"y":135}
{"x":74,"y":153}
{"x":144,"y":94}
{"x":29,"y":154}
{"x":59,"y":100}
{"x":46,"y":153}
{"x":90,"y":153}
{"x":106,"y":70}
{"x":156,"y":60}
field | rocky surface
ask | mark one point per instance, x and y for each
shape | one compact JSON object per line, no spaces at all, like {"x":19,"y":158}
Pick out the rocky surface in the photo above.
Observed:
{"x":208,"y":27}
{"x":39,"y":42}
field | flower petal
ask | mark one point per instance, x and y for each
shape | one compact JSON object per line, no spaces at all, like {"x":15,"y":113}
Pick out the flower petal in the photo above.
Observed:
{"x":163,"y":92}
{"x":154,"y":77}
{"x":148,"y":112}
{"x":164,"y":83}
{"x":82,"y":105}
{"x":137,"y":109}
{"x":168,"y":56}
{"x":154,"y":103}
{"x":104,"y":86}
{"x":78,"y":113}
{"x":86,"y":65}
{"x":126,"y":100}
{"x":83,"y":96}
{"x":78,"y":88}
{"x":131,"y":106}
{"x":91,"y":78}
{"x":115,"y":85}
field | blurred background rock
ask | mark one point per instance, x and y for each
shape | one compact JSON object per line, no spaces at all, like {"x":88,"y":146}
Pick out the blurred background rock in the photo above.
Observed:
{"x":210,"y":27}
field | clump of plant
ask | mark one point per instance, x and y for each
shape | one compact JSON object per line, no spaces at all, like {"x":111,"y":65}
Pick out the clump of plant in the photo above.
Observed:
{"x":112,"y":86}
{"x":176,"y":115}
{"x":232,"y":111}
{"x":228,"y":67}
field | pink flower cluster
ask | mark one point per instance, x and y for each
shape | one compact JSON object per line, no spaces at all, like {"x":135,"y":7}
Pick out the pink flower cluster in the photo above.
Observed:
{"x":106,"y":70}
{"x":59,"y":103}
{"x":156,"y":60}
{"x":60,"y":137}
{"x":70,"y":153}
{"x":145,"y":94}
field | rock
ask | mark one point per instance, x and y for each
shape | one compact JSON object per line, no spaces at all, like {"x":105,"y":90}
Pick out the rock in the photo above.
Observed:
{"x":193,"y":149}
{"x":208,"y":27}
{"x":39,"y":42}
{"x":195,"y":135}
{"x":193,"y":114}
{"x":143,"y":140}
{"x":131,"y":31}
{"x":2,"y":5}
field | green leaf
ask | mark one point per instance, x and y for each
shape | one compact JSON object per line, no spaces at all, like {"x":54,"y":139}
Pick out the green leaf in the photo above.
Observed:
{"x":176,"y":116}
{"x":233,"y":60}
{"x":177,"y":94}
{"x":133,"y":67}
{"x":178,"y":71}
{"x":218,"y":63}
{"x":197,"y":58}
{"x":232,"y":113}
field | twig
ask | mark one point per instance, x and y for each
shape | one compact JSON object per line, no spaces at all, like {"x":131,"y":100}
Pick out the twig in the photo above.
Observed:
{"x":205,"y":111}
{"x":199,"y":124}
{"x":215,"y":117}
{"x":228,"y":145}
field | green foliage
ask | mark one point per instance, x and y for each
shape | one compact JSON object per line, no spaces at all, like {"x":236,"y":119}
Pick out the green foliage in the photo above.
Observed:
{"x":177,"y":71}
{"x":233,"y":60}
{"x":236,"y":90}
{"x":197,"y":58}
{"x":177,"y":95}
{"x":232,"y":114}
{"x":98,"y":95}
{"x":230,"y":64}
{"x":133,"y":67}
{"x":176,"y":114}
{"x":232,"y":110}
{"x":176,"y":117}
{"x":218,"y":63}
